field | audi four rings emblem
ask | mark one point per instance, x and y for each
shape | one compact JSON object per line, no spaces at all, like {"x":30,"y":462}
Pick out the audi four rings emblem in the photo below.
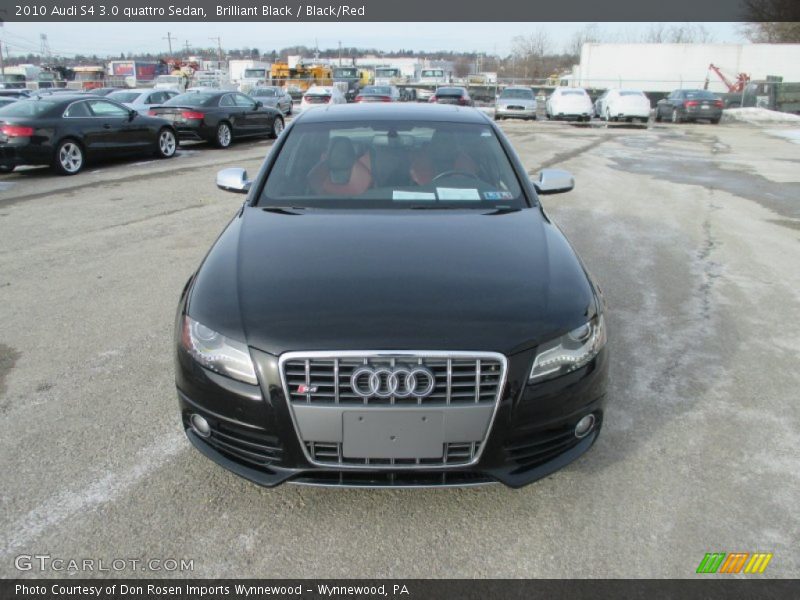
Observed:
{"x":400,"y":382}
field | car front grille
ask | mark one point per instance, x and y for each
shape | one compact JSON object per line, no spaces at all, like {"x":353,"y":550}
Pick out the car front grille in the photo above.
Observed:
{"x":463,"y":389}
{"x":458,"y":380}
{"x":374,"y":479}
{"x":454,"y":454}
{"x":515,"y":107}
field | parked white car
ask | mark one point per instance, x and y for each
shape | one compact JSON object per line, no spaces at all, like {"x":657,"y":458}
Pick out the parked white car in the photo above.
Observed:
{"x":318,"y":94}
{"x":623,"y":105}
{"x":142,"y":99}
{"x":569,"y":103}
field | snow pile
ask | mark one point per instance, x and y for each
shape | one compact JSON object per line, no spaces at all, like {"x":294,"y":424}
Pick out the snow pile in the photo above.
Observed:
{"x":757,"y":116}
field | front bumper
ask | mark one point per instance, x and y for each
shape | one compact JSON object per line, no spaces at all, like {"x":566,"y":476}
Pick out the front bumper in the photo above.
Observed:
{"x":253,"y":434}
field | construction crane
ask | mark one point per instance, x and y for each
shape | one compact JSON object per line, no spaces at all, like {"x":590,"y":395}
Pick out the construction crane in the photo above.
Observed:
{"x":733,"y":86}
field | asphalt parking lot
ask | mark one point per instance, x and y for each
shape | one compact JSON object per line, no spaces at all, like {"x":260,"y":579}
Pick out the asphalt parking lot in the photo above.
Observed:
{"x":692,"y":230}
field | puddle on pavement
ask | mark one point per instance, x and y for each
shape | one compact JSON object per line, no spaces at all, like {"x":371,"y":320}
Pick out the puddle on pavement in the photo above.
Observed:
{"x":692,"y":168}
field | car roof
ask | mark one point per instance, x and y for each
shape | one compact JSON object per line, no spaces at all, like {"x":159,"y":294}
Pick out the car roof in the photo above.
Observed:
{"x":410,"y":111}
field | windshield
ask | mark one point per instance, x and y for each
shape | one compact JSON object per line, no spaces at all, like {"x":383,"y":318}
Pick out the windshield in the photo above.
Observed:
{"x":27,"y":108}
{"x":253,"y":73}
{"x":387,"y":72}
{"x":192,"y":99}
{"x":124,"y":96}
{"x":12,"y":78}
{"x":392,"y":164}
{"x":432,"y":73}
{"x":345,"y":73}
{"x":449,"y":92}
{"x":377,"y":90}
{"x":518,"y":94}
{"x":262,"y":92}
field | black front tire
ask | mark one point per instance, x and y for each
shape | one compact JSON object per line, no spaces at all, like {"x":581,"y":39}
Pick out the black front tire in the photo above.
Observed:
{"x":277,"y":127}
{"x":223,"y":136}
{"x":69,"y":158}
{"x":7,"y":168}
{"x":166,"y":143}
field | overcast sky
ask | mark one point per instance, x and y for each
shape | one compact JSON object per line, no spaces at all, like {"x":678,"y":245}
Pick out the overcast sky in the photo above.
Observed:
{"x":113,"y":38}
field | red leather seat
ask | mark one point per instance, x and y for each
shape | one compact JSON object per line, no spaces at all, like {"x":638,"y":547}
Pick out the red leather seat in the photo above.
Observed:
{"x":341,"y":172}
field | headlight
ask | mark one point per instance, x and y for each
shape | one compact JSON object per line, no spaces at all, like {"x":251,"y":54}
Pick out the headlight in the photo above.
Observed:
{"x":216,"y":352}
{"x":570,"y":351}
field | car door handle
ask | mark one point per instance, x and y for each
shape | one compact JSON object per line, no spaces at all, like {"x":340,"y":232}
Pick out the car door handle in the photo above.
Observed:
{"x":106,"y":126}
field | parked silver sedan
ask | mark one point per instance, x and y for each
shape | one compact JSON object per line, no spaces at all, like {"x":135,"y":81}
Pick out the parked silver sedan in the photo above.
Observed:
{"x":274,"y":96}
{"x":141,"y":100}
{"x":515,"y":103}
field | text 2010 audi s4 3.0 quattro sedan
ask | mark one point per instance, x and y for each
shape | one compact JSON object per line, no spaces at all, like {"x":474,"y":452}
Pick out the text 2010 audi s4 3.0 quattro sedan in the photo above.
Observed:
{"x":392,"y":307}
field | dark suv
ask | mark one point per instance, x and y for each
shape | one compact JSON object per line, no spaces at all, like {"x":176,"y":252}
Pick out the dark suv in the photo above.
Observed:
{"x":391,"y":306}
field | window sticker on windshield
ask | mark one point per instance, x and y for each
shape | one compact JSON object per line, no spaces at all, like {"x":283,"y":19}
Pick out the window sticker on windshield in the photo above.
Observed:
{"x":401,"y":195}
{"x":498,"y":195}
{"x":458,"y":193}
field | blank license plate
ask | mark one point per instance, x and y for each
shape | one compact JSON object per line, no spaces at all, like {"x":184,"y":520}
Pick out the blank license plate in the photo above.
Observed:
{"x":393,"y":434}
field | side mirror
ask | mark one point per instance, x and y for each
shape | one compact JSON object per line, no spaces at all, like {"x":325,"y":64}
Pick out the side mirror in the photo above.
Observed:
{"x":553,"y":181}
{"x":259,"y":104}
{"x":233,"y":180}
{"x":132,"y":115}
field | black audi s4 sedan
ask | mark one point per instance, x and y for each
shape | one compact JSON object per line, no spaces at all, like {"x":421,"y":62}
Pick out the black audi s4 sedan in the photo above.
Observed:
{"x":219,"y":117}
{"x":68,"y":130}
{"x":391,"y":306}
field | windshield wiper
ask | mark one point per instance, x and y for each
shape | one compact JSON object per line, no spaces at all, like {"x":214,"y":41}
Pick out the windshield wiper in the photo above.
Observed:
{"x":283,"y":210}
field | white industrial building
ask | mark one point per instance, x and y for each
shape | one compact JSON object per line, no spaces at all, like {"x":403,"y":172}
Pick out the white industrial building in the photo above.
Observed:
{"x":664,"y":67}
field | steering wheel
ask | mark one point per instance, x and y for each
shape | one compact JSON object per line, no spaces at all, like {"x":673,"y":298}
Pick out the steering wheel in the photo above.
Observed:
{"x":455,"y":172}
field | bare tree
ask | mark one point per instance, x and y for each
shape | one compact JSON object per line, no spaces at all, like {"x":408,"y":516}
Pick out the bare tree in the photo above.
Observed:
{"x":771,"y":32}
{"x":528,"y":53}
{"x":587,"y":35}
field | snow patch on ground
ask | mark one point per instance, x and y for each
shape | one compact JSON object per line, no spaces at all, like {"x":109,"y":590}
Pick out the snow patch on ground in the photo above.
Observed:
{"x":757,"y":116}
{"x":793,"y":135}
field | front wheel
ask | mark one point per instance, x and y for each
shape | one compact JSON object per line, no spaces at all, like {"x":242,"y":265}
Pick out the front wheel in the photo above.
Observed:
{"x":224,"y":136}
{"x":69,"y":158}
{"x":167,"y":144}
{"x":6,"y":168}
{"x":277,"y":127}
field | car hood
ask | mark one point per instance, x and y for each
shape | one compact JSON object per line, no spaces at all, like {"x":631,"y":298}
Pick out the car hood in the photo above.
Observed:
{"x":391,"y":280}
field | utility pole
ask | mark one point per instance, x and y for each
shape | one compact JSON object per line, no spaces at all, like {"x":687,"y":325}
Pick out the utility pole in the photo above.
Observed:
{"x":186,"y":46}
{"x":219,"y":47}
{"x":169,"y":41}
{"x":340,"y":53}
{"x":2,"y":64}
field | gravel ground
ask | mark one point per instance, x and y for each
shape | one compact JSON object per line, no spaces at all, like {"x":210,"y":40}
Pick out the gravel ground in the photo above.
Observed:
{"x":692,"y":230}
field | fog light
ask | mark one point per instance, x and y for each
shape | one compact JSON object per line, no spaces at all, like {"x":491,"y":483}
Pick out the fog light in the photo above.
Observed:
{"x":201,"y":427}
{"x":584,"y":426}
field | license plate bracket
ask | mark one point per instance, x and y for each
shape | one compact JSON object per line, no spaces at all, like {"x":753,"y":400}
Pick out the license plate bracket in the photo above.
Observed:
{"x":391,"y":433}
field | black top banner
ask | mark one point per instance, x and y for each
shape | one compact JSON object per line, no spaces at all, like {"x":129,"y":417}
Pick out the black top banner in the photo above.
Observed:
{"x":399,"y":10}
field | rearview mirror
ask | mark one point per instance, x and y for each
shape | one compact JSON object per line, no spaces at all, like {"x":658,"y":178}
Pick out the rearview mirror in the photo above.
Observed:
{"x":553,"y":181}
{"x":233,"y":180}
